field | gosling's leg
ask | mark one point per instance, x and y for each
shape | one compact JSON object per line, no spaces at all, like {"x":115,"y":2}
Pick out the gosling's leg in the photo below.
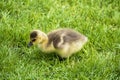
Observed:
{"x":61,"y":59}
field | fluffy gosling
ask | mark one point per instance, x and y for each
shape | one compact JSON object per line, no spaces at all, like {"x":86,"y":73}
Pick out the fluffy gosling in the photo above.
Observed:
{"x":64,"y":42}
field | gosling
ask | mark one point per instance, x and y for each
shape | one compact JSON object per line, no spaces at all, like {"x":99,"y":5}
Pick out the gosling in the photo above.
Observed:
{"x":63,"y":42}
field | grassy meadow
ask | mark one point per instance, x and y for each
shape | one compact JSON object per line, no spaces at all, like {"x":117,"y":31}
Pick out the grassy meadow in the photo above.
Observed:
{"x":99,"y":20}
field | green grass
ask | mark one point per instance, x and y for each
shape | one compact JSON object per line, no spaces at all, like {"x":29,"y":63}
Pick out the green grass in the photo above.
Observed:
{"x":99,"y":20}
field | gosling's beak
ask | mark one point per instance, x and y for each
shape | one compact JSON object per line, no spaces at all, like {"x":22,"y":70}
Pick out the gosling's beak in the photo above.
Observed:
{"x":30,"y":44}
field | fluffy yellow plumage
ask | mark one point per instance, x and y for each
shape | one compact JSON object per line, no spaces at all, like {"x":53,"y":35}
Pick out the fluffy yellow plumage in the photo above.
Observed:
{"x":64,"y":42}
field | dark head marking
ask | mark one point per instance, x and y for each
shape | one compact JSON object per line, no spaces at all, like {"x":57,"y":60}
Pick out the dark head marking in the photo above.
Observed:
{"x":33,"y":34}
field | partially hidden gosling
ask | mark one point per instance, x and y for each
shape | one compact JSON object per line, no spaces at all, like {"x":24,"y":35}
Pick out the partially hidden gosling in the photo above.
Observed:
{"x":64,"y":42}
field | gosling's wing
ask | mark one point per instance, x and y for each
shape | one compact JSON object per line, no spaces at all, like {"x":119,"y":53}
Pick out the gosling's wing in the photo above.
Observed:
{"x":71,"y":36}
{"x":54,"y":38}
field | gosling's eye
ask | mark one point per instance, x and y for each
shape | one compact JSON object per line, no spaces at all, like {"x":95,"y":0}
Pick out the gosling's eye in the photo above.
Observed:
{"x":33,"y":40}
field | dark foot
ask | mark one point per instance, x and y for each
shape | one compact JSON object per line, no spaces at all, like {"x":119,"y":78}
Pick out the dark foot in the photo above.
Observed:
{"x":62,"y":59}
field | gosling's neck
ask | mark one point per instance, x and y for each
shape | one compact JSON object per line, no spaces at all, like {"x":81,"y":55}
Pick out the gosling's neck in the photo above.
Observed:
{"x":45,"y":42}
{"x":45,"y":47}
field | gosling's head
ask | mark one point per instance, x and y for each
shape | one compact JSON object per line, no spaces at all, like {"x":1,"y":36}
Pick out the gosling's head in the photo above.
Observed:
{"x":37,"y":37}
